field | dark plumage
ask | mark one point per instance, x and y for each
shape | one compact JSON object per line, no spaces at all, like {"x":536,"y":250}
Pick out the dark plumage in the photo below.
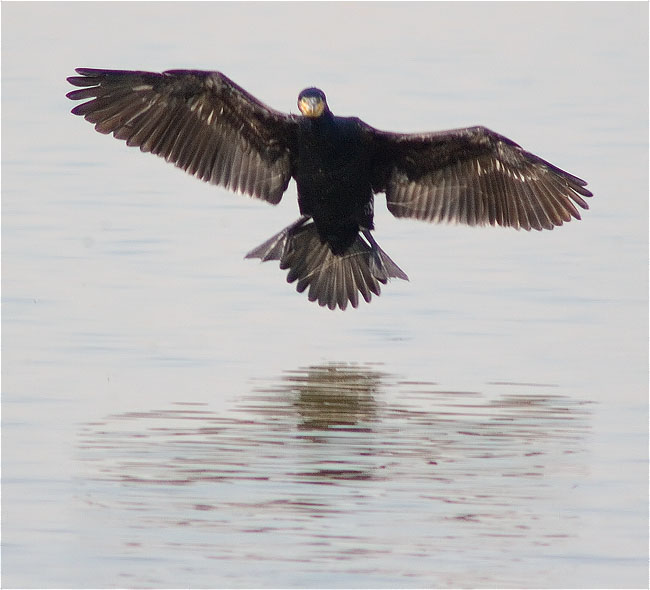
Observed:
{"x":207,"y":125}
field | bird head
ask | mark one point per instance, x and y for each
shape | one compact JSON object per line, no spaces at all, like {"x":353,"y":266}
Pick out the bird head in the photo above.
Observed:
{"x":312,"y":103}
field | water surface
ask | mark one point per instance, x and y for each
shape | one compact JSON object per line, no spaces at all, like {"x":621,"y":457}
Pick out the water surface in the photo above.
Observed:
{"x":299,"y":460}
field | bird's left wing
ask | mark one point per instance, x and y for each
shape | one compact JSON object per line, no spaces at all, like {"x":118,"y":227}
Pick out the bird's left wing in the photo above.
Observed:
{"x":200,"y":121}
{"x":473,"y":176}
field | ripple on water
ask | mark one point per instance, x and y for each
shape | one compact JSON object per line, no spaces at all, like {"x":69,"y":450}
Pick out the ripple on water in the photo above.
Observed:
{"x":348,"y":466}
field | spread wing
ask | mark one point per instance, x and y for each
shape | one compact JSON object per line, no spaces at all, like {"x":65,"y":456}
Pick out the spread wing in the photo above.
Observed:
{"x":200,"y":121}
{"x":473,"y":176}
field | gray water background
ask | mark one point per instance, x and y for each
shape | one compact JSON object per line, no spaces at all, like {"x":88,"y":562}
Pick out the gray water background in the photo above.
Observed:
{"x":174,"y":415}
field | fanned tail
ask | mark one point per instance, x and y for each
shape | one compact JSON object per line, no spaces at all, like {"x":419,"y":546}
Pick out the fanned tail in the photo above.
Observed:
{"x":333,"y":280}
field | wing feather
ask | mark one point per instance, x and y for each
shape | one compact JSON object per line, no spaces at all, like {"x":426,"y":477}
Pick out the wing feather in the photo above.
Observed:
{"x":198,"y":120}
{"x":473,"y":176}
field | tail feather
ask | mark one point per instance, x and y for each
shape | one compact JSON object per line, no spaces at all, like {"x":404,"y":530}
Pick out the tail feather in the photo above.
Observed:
{"x":333,"y":280}
{"x":381,"y":263}
{"x":274,"y":247}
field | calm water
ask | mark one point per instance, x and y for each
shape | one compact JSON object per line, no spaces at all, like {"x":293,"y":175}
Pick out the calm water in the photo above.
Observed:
{"x":176,"y":416}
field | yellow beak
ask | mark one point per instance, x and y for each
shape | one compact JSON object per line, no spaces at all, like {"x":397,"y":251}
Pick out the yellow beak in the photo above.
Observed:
{"x":311,"y":106}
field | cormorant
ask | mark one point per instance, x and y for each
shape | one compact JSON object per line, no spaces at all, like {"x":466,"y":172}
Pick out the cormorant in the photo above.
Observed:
{"x":204,"y":123}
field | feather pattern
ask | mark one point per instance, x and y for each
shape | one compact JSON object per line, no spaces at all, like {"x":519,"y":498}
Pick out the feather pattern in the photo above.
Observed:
{"x":200,"y":121}
{"x":331,"y":280}
{"x":473,"y":176}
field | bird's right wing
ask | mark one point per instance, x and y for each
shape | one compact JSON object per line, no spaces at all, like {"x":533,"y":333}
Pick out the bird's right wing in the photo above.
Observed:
{"x":200,"y":121}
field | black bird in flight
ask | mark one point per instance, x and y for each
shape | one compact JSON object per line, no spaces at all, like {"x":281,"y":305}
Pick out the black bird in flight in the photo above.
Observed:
{"x":212,"y":128}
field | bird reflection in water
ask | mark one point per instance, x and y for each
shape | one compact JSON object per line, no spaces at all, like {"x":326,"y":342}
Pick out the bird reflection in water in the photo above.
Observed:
{"x":335,"y":422}
{"x":330,"y":411}
{"x":333,"y":396}
{"x":326,"y":458}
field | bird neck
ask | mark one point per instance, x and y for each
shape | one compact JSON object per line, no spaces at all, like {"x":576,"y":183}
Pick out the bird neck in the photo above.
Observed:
{"x":323,"y":123}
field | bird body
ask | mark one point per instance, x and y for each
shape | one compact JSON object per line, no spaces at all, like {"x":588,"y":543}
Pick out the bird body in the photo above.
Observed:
{"x":332,"y":173}
{"x":206,"y":124}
